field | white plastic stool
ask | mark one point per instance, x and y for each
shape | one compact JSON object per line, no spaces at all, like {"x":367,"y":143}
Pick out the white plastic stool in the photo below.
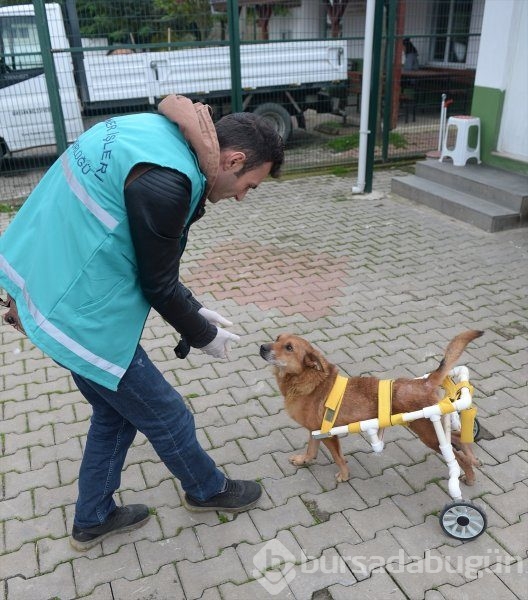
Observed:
{"x":461,"y":152}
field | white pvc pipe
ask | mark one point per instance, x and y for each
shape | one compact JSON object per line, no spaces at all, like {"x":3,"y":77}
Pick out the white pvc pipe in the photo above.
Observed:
{"x":375,"y":442}
{"x":446,"y":424}
{"x":365,"y":97}
{"x":449,"y":456}
{"x":443,"y":109}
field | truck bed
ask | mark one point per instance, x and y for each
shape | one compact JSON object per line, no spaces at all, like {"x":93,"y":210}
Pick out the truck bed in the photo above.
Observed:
{"x":205,"y":70}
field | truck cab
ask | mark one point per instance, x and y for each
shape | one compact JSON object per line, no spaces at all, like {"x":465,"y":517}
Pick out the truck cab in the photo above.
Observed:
{"x":25,"y":114}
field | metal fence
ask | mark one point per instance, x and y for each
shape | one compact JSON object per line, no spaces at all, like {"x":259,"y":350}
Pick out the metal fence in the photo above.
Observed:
{"x":69,"y":64}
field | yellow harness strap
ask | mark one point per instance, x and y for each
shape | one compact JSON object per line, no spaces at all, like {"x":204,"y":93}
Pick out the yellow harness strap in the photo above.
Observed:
{"x":453,"y":389}
{"x":467,"y":416}
{"x":333,"y":403}
{"x":385,"y":402}
{"x":467,"y":421}
{"x":450,"y":388}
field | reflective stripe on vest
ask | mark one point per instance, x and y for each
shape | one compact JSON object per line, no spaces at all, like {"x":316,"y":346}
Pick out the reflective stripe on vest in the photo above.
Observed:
{"x":83,"y":196}
{"x":54,"y":332}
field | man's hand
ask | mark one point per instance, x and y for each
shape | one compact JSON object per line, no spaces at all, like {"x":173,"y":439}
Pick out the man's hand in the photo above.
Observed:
{"x":220,"y":345}
{"x":213,"y":317}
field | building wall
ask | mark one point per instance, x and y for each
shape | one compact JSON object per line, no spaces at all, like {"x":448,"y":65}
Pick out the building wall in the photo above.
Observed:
{"x":309,"y":21}
{"x":501,"y":85}
{"x":303,"y":22}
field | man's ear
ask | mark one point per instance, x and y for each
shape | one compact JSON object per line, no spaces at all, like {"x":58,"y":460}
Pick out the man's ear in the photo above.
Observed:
{"x":233,"y":160}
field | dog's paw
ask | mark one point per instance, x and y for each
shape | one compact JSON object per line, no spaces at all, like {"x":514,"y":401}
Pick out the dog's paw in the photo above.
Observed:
{"x":299,"y":459}
{"x":468,"y":481}
{"x":340,"y":477}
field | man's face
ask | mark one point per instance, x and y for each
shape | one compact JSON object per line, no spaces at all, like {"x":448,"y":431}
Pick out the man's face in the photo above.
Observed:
{"x":228,"y":185}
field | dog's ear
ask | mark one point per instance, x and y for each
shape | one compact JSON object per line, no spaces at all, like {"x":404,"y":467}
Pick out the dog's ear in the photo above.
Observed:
{"x":313,"y":361}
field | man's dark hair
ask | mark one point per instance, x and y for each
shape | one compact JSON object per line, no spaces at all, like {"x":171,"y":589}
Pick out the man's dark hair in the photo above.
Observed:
{"x":253,"y":135}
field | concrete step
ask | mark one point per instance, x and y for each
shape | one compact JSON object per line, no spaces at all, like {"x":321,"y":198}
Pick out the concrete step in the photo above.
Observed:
{"x":498,"y":186}
{"x":484,"y":214}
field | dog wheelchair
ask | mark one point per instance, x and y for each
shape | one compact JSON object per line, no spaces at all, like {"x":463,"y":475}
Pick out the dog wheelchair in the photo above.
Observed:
{"x":460,"y":519}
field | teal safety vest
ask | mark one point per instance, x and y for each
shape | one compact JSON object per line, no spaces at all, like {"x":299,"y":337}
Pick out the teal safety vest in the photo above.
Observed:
{"x":67,"y":257}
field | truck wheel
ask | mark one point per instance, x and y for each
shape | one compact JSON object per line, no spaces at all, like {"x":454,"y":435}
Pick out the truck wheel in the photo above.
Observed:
{"x":278,"y":116}
{"x":3,"y":151}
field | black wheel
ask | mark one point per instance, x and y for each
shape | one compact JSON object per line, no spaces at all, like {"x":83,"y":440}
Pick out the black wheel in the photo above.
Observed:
{"x":3,"y":152}
{"x":463,"y":520}
{"x":476,"y":430}
{"x":278,"y":116}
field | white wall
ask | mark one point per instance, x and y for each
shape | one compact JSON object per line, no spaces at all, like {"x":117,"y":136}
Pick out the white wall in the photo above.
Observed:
{"x":353,"y":24}
{"x":304,"y":22}
{"x":495,"y":43}
{"x":502,"y":65}
{"x":513,"y":136}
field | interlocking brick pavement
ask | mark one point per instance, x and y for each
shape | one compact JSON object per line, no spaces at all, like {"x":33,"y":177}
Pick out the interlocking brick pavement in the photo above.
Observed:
{"x":379,"y":284}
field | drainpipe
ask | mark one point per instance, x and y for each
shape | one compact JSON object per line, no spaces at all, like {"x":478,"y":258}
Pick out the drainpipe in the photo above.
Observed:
{"x":365,"y":97}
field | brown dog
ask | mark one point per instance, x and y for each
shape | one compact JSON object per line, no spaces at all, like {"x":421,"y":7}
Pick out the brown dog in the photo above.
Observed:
{"x":305,"y":379}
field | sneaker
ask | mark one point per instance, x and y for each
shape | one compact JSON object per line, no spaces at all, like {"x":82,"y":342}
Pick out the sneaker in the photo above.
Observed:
{"x":236,"y":496}
{"x":124,"y":518}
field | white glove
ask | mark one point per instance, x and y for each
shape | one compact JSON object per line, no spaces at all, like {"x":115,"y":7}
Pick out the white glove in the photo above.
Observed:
{"x":213,"y":317}
{"x":220,"y":345}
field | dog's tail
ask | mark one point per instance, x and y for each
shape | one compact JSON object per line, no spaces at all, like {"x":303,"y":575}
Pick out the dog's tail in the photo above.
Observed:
{"x":453,"y":352}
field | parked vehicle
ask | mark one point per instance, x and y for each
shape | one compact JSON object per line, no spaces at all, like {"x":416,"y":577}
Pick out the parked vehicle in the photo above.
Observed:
{"x":279,"y":79}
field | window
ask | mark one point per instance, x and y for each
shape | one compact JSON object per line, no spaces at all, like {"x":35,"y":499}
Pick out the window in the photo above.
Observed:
{"x":19,"y":41}
{"x":451,"y":26}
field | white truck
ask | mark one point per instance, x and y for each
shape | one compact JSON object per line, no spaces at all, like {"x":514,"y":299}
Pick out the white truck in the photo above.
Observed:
{"x":279,"y":79}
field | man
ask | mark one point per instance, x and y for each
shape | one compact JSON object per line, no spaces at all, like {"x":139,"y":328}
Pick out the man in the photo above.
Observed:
{"x":93,"y":248}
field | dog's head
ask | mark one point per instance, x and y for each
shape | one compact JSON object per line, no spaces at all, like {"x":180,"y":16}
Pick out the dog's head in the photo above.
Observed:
{"x":291,"y":354}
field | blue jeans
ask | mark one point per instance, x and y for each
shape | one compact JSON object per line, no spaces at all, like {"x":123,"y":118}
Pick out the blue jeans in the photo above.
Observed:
{"x":146,"y":402}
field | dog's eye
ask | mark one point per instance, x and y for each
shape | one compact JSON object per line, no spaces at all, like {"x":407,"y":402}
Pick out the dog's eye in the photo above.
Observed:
{"x":289,"y":347}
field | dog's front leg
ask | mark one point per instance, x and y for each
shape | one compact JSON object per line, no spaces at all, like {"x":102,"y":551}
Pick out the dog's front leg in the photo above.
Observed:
{"x":310,"y":454}
{"x":332,"y":443}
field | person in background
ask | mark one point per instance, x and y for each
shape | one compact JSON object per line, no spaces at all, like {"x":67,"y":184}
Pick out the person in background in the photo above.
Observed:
{"x":411,"y":56}
{"x":96,"y":245}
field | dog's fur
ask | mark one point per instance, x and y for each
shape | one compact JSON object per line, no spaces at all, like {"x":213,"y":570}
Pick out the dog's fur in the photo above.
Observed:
{"x":305,"y":379}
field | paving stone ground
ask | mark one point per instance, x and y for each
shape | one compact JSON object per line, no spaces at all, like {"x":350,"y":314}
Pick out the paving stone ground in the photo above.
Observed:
{"x":380,"y":285}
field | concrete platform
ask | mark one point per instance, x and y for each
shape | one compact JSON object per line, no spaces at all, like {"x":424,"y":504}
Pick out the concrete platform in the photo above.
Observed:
{"x":488,"y":198}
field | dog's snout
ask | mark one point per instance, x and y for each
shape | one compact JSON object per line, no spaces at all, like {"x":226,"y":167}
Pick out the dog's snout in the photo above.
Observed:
{"x":265,"y":350}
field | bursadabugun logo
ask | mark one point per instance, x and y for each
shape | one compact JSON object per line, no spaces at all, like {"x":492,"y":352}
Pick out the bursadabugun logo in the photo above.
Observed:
{"x":275,"y":566}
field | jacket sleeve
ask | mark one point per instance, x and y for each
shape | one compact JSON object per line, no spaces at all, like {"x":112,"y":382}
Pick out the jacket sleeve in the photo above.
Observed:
{"x":157,"y":203}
